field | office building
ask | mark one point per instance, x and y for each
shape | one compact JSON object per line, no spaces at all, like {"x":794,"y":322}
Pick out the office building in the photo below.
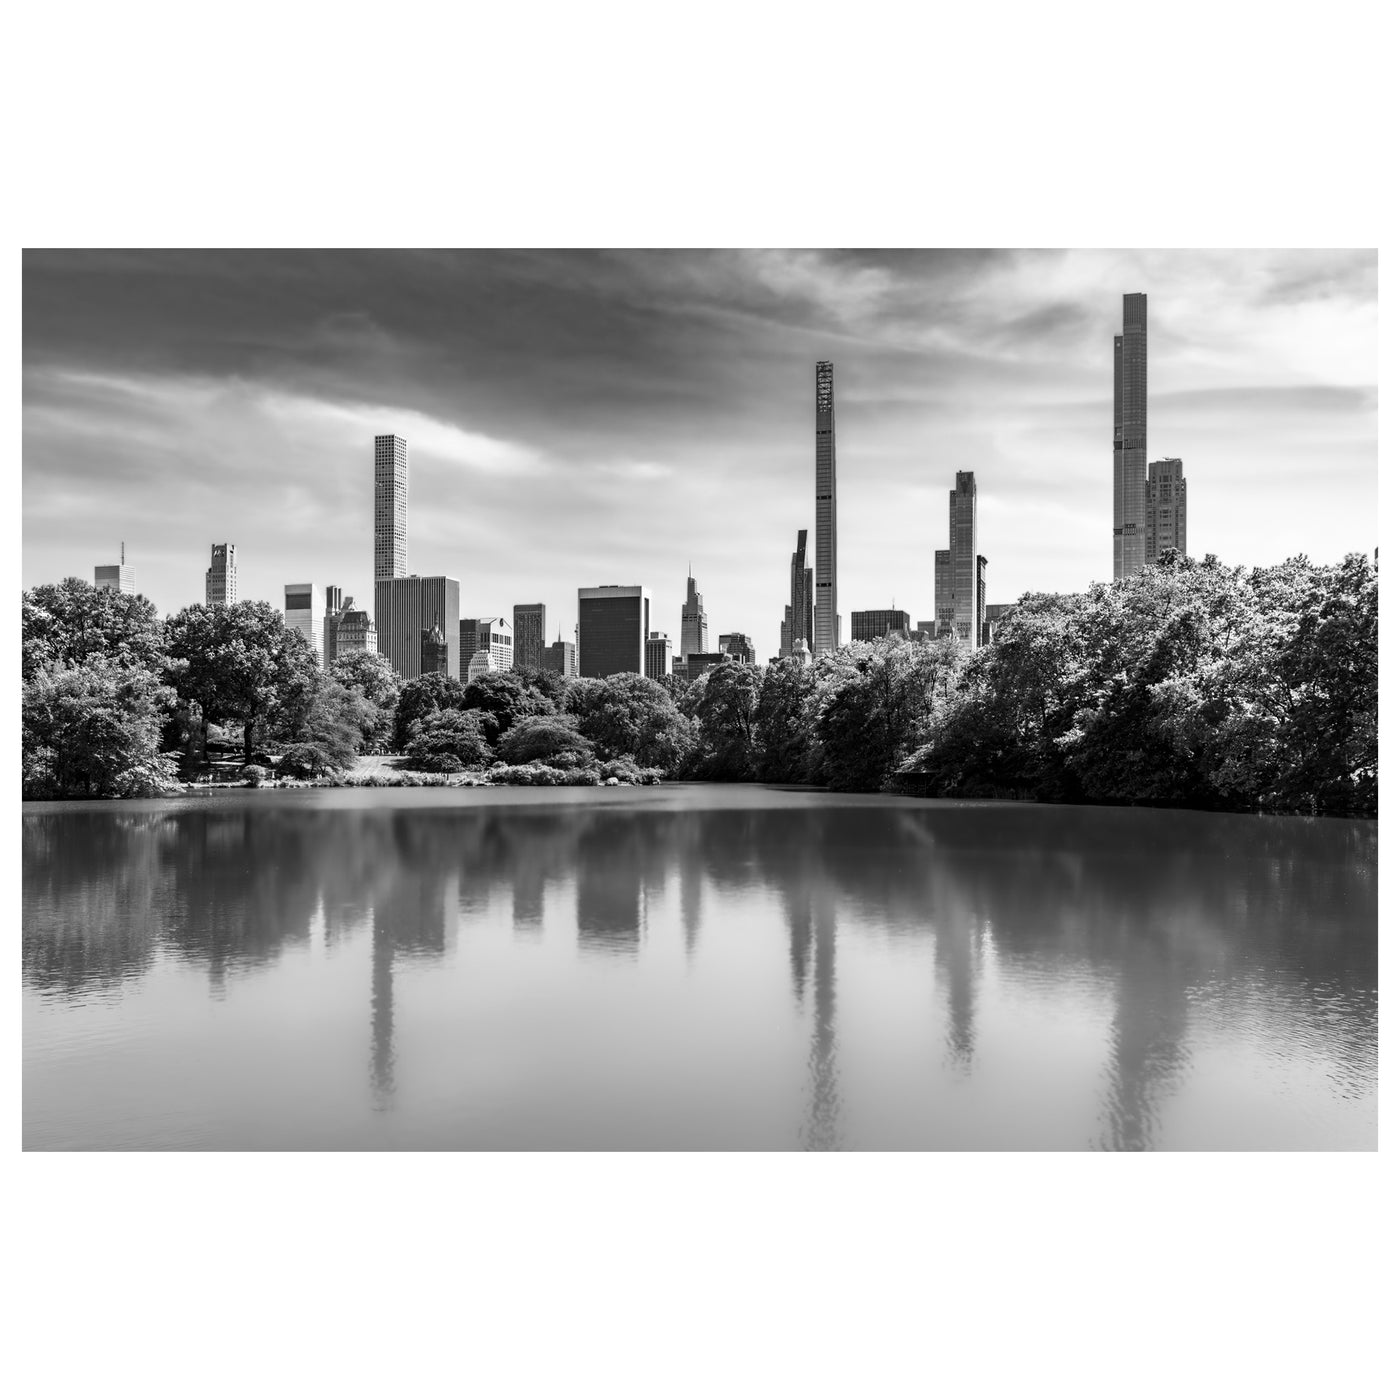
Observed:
{"x":432,"y":651}
{"x":826,"y":623}
{"x":798,"y":615}
{"x":328,"y":617}
{"x":481,"y":663}
{"x":221,"y":577}
{"x":658,"y":655}
{"x":493,"y":634}
{"x":119,"y":578}
{"x":996,"y":614}
{"x":527,"y":622}
{"x":1166,"y":508}
{"x":875,"y":625}
{"x":1130,"y":438}
{"x":738,"y":645}
{"x":943,"y":592}
{"x":695,"y":627}
{"x":697,"y":663}
{"x":613,"y":623}
{"x":404,"y":608}
{"x":390,"y":509}
{"x":979,"y":622}
{"x":562,"y":657}
{"x":962,"y":544}
{"x":301,"y":610}
{"x":348,"y":629}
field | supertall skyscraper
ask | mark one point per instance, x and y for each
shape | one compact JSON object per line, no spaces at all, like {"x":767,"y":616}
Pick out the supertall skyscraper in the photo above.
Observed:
{"x":390,"y":506}
{"x":695,"y":627}
{"x":825,"y":621}
{"x":221,"y":577}
{"x":1130,"y":438}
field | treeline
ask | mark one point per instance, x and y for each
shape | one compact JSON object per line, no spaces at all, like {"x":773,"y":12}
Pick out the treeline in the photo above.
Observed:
{"x":1188,"y":685}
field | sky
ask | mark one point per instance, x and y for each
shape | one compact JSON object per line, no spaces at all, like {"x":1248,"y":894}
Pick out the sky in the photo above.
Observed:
{"x":583,"y":418}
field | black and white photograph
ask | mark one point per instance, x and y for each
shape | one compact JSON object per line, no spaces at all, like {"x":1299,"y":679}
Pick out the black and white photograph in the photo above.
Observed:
{"x":661,"y":684}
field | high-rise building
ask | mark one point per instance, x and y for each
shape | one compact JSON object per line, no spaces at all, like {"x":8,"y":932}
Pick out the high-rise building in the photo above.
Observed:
{"x":561,"y":656}
{"x":528,"y":620}
{"x":1166,"y":508}
{"x":493,"y":634}
{"x":996,"y":614}
{"x":825,"y":622}
{"x":613,"y":622}
{"x":390,"y":507}
{"x":943,"y":592}
{"x":873,"y":625}
{"x":1130,"y":438}
{"x":738,"y":645}
{"x":221,"y":577}
{"x":301,"y":609}
{"x":798,"y":614}
{"x":658,"y":655}
{"x":697,"y":663}
{"x":432,"y":651}
{"x":481,"y":663}
{"x":404,"y":608}
{"x":962,"y":547}
{"x":348,"y":629}
{"x":980,"y":622}
{"x":119,"y":578}
{"x":328,"y":620}
{"x":695,"y":627}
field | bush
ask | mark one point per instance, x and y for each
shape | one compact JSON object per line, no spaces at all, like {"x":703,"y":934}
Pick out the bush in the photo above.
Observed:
{"x":254,"y":774}
{"x":552,"y":739}
{"x":307,"y":761}
{"x":444,"y":762}
{"x":623,"y":770}
{"x":447,"y":733}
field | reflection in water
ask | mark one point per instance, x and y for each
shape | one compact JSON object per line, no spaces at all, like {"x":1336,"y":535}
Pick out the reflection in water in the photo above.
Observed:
{"x":1183,"y":925}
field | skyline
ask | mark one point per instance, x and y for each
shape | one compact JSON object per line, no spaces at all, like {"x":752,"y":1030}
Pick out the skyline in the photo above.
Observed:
{"x":574,"y":418}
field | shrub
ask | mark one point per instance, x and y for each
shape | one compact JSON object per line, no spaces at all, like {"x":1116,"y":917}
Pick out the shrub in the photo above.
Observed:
{"x":307,"y":761}
{"x":447,"y":733}
{"x":552,"y":739}
{"x":254,"y":774}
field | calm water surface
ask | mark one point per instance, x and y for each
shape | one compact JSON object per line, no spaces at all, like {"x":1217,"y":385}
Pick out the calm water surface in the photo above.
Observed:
{"x":692,"y":967}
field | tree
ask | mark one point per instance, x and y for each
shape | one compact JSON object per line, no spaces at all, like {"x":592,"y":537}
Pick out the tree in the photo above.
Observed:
{"x":70,"y":623}
{"x":373,"y":677}
{"x":628,"y":715}
{"x":94,"y":731}
{"x":419,"y":698}
{"x":725,"y":713}
{"x":502,"y":698}
{"x":455,"y":735}
{"x":552,"y":739}
{"x":239,"y":663}
{"x":782,"y":722}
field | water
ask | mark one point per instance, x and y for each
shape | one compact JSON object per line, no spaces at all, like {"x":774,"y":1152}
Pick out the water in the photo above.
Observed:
{"x":692,"y":967}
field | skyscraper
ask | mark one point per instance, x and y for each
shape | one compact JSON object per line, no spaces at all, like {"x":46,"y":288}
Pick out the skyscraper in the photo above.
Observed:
{"x":328,"y":621}
{"x":301,"y":610}
{"x":1166,"y":508}
{"x":739,"y":645}
{"x":658,"y":655}
{"x":695,"y":627}
{"x":943,"y":592}
{"x":561,"y":656}
{"x":120,"y":578}
{"x":404,"y":608}
{"x":221,"y":577}
{"x":824,"y":620}
{"x":874,"y":625}
{"x":432,"y":651}
{"x":529,"y":635}
{"x":979,"y":623}
{"x":962,"y":549}
{"x":798,"y":615}
{"x":613,"y":622}
{"x":390,"y":507}
{"x":1130,"y":438}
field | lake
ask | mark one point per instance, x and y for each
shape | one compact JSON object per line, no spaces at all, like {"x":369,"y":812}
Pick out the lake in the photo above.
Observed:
{"x":692,"y":967}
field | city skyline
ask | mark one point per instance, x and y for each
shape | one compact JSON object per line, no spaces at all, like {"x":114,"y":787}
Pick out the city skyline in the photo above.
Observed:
{"x":274,"y":371}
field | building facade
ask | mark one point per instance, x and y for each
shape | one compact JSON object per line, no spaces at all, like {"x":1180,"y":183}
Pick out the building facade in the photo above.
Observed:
{"x":527,"y":623}
{"x":119,"y":578}
{"x":658,"y":655}
{"x":697,"y":663}
{"x":328,"y":619}
{"x":739,"y":645}
{"x":613,"y":623}
{"x":695,"y":626}
{"x":432,"y":652}
{"x":390,"y":508}
{"x":481,"y":663}
{"x":1166,"y":508}
{"x":562,"y":657}
{"x":404,"y":608}
{"x":1130,"y":438}
{"x":962,"y":544}
{"x":979,"y":623}
{"x":996,"y":613}
{"x":798,"y":615}
{"x":942,"y":593}
{"x":348,"y":629}
{"x":221,"y":577}
{"x":301,"y":610}
{"x":874,"y":625}
{"x":493,"y":634}
{"x":826,"y":623}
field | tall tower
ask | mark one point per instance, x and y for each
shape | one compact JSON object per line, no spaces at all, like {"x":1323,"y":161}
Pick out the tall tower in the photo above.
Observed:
{"x":390,"y":506}
{"x":1130,"y":438}
{"x":695,"y":626}
{"x":1166,"y":508}
{"x":825,"y":622}
{"x":221,"y":577}
{"x":528,"y":626}
{"x":800,"y":595}
{"x":962,"y":550}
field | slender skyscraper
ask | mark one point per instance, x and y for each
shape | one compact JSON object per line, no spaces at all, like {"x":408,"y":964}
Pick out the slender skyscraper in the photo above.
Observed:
{"x":221,"y":577}
{"x":962,"y":548}
{"x":390,"y":507}
{"x":1130,"y":438}
{"x":824,"y":621}
{"x":799,"y":611}
{"x":695,"y":627}
{"x":1166,"y":508}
